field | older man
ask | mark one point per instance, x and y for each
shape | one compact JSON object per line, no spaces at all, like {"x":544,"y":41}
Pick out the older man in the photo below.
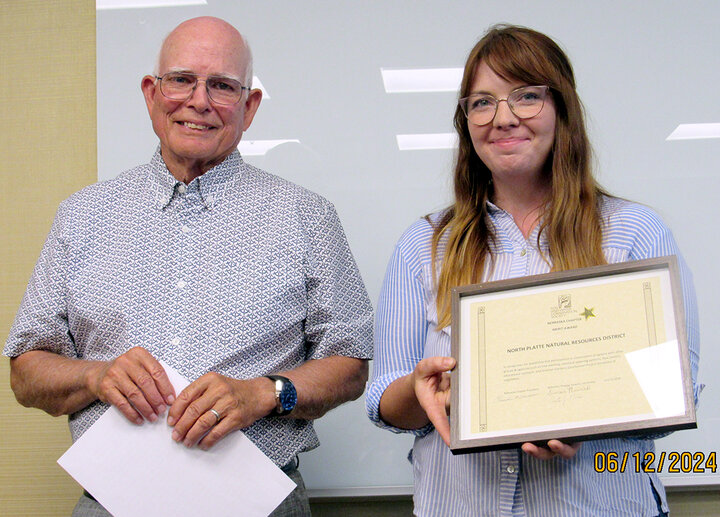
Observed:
{"x":241,"y":281}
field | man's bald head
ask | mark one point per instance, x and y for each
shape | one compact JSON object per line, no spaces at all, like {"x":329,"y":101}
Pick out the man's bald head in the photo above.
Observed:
{"x":222,"y":31}
{"x":198,"y":131}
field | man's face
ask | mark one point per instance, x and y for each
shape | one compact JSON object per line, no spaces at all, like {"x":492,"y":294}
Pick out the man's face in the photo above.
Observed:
{"x":198,"y":133}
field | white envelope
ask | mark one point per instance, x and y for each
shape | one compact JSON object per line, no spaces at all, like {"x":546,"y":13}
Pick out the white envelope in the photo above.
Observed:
{"x":139,"y":470}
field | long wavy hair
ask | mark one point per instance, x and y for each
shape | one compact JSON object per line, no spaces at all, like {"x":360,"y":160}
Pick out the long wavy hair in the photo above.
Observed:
{"x":570,"y":219}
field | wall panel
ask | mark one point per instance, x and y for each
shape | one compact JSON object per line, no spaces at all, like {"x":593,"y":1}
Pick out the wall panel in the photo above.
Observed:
{"x":47,"y":151}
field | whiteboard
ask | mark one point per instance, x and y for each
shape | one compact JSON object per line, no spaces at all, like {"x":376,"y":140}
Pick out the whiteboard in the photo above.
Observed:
{"x":642,"y":70}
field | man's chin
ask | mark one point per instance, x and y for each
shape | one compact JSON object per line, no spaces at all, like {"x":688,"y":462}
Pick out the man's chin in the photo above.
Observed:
{"x":194,"y":151}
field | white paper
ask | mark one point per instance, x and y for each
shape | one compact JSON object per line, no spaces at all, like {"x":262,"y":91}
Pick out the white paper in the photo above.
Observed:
{"x":657,"y":369}
{"x":139,"y":470}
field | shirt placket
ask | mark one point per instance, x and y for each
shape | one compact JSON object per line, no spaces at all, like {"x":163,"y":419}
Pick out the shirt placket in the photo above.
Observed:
{"x":188,"y":204}
{"x":509,"y":473}
{"x":523,"y":254}
{"x":522,"y":249}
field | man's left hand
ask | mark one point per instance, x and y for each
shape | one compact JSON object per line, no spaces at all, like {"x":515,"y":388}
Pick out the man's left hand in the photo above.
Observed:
{"x":238,"y":403}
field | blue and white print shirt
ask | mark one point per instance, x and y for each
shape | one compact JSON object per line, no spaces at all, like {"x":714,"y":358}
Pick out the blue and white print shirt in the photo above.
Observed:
{"x":239,"y":272}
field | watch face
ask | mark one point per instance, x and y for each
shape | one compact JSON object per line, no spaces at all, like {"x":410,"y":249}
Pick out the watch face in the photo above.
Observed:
{"x":288,"y":396}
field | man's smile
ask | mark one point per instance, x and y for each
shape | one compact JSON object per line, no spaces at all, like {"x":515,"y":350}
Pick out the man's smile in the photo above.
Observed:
{"x":193,"y":125}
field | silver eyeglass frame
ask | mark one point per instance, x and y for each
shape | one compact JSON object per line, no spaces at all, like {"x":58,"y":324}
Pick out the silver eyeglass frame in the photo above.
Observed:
{"x":463,"y":102}
{"x":197,"y":82}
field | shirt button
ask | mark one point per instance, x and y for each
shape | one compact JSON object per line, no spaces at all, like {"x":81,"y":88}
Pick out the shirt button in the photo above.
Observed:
{"x":181,"y":284}
{"x":523,"y":253}
{"x":185,"y":228}
{"x":175,"y":341}
{"x":510,"y":469}
{"x":182,"y":188}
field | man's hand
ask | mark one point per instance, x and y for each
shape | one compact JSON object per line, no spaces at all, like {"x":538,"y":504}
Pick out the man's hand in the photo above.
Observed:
{"x":432,"y":389}
{"x":239,"y":403}
{"x":554,"y":448}
{"x":135,"y":383}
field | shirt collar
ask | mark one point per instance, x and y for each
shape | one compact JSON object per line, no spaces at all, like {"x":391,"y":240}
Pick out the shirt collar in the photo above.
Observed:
{"x":212,"y":185}
{"x":492,"y":207}
{"x":504,"y":221}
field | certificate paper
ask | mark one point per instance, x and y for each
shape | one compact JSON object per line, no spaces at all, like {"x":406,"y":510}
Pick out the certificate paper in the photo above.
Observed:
{"x":579,"y":354}
{"x":139,"y":470}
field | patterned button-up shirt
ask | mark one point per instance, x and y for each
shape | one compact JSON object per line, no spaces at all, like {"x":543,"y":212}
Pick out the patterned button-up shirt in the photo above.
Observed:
{"x":239,"y":272}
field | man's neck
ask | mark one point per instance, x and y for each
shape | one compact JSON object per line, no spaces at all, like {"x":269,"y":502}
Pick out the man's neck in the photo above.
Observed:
{"x":185,"y":175}
{"x":188,"y":170}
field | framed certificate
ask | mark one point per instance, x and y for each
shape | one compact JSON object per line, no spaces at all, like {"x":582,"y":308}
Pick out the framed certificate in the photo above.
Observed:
{"x":574,"y":355}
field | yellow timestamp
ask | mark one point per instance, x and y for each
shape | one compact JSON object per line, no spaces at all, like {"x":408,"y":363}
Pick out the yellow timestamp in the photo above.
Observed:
{"x":649,"y":462}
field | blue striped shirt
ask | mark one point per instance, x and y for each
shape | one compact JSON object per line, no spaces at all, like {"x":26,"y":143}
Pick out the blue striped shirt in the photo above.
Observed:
{"x":509,"y":482}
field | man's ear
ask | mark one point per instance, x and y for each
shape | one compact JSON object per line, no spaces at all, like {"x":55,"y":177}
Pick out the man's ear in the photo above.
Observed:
{"x":251,"y":106}
{"x":148,"y":86}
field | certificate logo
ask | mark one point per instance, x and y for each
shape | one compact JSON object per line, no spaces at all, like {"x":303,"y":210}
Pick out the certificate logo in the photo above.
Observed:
{"x":563,"y":308}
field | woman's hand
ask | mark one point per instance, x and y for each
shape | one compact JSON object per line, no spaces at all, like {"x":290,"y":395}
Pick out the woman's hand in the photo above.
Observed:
{"x":554,"y":448}
{"x":431,"y":382}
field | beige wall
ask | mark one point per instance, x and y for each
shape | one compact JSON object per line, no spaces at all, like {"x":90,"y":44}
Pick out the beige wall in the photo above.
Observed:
{"x":47,"y":151}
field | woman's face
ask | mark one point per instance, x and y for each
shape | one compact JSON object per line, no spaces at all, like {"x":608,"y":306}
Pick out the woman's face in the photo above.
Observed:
{"x":510,"y":147}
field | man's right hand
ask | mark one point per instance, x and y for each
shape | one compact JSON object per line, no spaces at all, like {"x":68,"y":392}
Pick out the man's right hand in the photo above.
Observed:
{"x":135,"y":383}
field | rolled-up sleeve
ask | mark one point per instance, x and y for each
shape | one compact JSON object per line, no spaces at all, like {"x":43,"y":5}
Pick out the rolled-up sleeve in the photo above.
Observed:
{"x":401,"y":324}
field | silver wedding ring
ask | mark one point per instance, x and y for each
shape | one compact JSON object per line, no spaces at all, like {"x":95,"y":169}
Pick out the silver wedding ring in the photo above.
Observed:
{"x":217,"y":416}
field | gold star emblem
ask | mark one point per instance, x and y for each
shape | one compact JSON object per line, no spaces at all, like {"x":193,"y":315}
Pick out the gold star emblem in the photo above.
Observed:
{"x":588,"y":313}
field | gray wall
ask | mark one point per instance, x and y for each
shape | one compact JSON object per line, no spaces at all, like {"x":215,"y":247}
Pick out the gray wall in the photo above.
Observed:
{"x":642,"y":68}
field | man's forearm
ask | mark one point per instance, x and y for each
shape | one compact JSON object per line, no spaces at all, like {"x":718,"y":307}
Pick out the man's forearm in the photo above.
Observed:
{"x":323,"y":384}
{"x":51,"y":382}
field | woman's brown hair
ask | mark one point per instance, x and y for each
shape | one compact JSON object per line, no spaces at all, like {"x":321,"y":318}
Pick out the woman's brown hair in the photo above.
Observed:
{"x":571,"y":217}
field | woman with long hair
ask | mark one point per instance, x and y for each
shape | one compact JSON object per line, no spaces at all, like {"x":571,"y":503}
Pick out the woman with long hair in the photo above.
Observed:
{"x":525,"y":203}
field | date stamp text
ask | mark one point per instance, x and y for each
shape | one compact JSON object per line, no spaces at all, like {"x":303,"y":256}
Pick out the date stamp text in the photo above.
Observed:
{"x":662,"y":463}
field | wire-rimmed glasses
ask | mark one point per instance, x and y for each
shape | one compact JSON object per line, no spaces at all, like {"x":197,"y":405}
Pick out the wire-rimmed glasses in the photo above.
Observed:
{"x":524,"y":102}
{"x":180,"y":86}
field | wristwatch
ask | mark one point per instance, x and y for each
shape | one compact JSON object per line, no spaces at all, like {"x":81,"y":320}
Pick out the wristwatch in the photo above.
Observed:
{"x":285,"y":395}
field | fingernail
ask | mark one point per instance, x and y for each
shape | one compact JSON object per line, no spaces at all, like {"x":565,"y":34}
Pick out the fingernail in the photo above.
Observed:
{"x":139,"y":421}
{"x":176,"y":436}
{"x":170,"y":399}
{"x":203,"y":447}
{"x":187,"y":443}
{"x":161,"y":409}
{"x":152,"y":417}
{"x":170,"y":421}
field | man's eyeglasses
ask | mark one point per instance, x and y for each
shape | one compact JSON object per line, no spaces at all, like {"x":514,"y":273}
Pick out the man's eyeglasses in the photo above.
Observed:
{"x":524,"y":102}
{"x":179,"y":86}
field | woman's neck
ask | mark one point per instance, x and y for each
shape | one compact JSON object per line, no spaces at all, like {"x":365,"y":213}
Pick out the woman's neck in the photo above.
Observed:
{"x":524,"y":201}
